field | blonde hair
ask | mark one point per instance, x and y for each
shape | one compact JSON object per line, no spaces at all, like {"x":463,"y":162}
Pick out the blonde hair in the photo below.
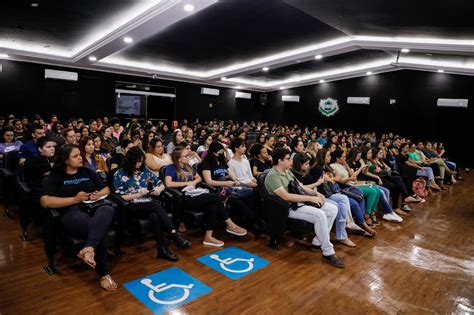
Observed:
{"x":175,"y":155}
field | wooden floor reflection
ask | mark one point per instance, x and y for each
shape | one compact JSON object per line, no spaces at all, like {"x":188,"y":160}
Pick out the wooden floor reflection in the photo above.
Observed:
{"x":424,"y":265}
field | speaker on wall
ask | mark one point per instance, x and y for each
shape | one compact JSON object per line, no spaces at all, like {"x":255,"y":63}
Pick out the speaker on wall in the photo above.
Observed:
{"x":263,"y":99}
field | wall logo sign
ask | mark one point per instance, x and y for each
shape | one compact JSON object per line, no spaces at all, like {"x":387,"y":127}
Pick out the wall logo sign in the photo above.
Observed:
{"x":233,"y":262}
{"x":328,"y":107}
{"x":166,"y":290}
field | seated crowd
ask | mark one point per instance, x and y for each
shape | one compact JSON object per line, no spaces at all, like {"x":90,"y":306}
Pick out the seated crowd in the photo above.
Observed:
{"x":331,"y":179}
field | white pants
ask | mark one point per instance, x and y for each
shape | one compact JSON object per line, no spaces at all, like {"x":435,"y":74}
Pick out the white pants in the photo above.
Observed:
{"x":323,"y":219}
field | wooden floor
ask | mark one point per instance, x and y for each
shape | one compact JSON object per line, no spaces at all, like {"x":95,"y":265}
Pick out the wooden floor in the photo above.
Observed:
{"x":423,"y":266}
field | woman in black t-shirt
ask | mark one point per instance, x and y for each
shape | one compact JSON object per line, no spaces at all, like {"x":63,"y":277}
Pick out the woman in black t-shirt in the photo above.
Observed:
{"x":66,"y":188}
{"x":261,"y":161}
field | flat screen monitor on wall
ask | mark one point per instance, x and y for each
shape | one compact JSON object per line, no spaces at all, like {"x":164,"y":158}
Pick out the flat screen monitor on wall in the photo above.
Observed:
{"x":129,"y":104}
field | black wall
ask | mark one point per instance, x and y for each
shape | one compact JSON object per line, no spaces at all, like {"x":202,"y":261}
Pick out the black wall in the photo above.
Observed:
{"x":414,"y":115}
{"x":23,"y":90}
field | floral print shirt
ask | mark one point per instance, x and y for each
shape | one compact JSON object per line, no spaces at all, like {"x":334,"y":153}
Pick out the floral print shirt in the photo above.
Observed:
{"x":125,"y":184}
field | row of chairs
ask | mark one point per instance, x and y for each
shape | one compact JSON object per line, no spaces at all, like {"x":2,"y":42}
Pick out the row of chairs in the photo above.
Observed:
{"x":275,"y":211}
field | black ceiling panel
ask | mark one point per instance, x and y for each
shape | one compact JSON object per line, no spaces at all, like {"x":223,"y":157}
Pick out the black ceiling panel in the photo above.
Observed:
{"x":59,"y":23}
{"x":229,"y":32}
{"x":452,"y":19}
{"x":328,"y":63}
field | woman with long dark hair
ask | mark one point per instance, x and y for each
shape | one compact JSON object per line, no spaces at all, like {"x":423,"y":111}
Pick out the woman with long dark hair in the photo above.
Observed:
{"x":67,"y":186}
{"x":137,"y":184}
{"x":180,"y":175}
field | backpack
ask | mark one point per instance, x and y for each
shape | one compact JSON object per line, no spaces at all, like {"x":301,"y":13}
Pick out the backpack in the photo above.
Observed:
{"x":419,"y":187}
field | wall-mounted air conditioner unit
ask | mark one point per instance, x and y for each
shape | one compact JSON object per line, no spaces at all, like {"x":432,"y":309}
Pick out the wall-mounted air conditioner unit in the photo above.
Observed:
{"x":290,"y":98}
{"x":243,"y":95}
{"x":60,"y":75}
{"x":452,"y":102}
{"x":208,"y":91}
{"x":358,"y":100}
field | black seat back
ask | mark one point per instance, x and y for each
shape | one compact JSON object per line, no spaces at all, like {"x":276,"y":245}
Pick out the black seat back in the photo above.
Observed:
{"x":11,"y":161}
{"x":110,"y":179}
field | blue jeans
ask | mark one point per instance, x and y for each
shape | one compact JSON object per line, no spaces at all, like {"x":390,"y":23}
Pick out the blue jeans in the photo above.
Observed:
{"x":452,"y":166}
{"x":427,"y":172}
{"x":385,"y":199}
{"x":357,"y":210}
{"x":343,"y":207}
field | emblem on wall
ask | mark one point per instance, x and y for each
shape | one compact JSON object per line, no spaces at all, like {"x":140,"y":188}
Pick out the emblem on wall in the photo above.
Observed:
{"x":328,"y":107}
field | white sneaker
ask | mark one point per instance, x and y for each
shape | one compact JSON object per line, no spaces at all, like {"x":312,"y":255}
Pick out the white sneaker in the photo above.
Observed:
{"x":406,"y":208}
{"x":392,"y":217}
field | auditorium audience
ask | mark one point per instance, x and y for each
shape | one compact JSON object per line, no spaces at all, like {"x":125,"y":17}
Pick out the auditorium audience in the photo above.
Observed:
{"x":381,"y":168}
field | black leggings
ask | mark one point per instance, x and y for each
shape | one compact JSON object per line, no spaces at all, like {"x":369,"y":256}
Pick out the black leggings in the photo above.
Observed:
{"x":243,"y":209}
{"x":396,"y":186}
{"x":154,"y":211}
{"x":209,"y":203}
{"x":95,"y":229}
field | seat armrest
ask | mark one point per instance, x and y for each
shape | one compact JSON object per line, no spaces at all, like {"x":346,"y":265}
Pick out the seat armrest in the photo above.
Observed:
{"x":119,"y":200}
{"x":5,"y":173}
{"x":211,"y":189}
{"x":52,"y":213}
{"x":24,"y":187}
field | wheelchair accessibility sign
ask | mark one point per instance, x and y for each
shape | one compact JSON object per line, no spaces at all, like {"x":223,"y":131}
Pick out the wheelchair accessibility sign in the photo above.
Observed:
{"x":165,"y":290}
{"x":233,"y":262}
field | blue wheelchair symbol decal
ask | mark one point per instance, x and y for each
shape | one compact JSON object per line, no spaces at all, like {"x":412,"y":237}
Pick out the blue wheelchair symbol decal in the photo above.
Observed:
{"x":228,"y":261}
{"x":163,"y":287}
{"x":165,"y":290}
{"x":233,"y":262}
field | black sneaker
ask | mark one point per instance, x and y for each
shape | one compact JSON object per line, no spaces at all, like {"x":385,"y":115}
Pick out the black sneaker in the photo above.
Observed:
{"x":315,"y":248}
{"x":334,"y":261}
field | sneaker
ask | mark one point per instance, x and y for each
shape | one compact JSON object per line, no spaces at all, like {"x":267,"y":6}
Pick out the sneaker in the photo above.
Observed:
{"x":334,"y":261}
{"x":392,"y":217}
{"x":406,"y":208}
{"x":215,"y":243}
{"x":239,"y":231}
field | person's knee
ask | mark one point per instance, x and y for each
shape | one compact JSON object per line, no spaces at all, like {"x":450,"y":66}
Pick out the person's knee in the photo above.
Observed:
{"x":332,"y":209}
{"x":106,"y":211}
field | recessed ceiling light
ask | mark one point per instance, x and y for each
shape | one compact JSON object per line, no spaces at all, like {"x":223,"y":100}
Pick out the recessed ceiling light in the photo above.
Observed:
{"x":92,"y":58}
{"x":318,"y":56}
{"x":368,"y":72}
{"x":265,"y":68}
{"x":321,"y":81}
{"x":4,"y":56}
{"x":429,"y":54}
{"x":223,"y":78}
{"x":34,"y":4}
{"x":238,"y":87}
{"x":188,"y":8}
{"x":405,"y":50}
{"x":282,"y":88}
{"x":128,"y":40}
{"x":440,"y":70}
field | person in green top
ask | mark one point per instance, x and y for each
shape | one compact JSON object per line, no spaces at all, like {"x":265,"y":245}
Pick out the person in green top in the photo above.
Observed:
{"x":323,"y":216}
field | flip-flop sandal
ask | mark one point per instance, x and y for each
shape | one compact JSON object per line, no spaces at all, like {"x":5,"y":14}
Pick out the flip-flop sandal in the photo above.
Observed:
{"x":82,"y":255}
{"x":107,"y":283}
